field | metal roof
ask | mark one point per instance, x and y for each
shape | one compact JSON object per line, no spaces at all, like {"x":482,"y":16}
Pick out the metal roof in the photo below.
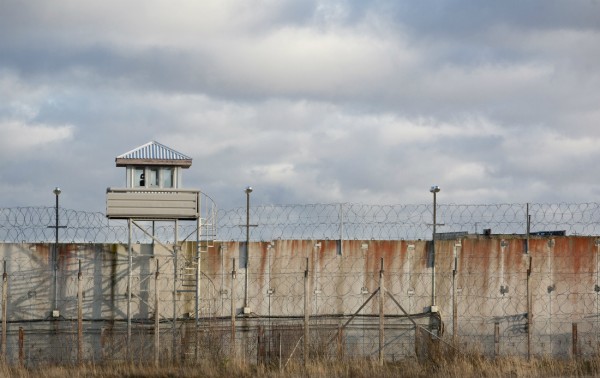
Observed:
{"x":153,"y":153}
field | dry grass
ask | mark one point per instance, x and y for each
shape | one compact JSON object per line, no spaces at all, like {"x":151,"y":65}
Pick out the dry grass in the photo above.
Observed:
{"x":471,"y":365}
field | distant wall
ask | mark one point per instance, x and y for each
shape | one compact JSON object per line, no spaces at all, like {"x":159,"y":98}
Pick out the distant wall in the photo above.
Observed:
{"x":479,"y":281}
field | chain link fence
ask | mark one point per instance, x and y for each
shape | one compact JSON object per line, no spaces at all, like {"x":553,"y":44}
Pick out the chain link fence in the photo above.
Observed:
{"x":336,"y":282}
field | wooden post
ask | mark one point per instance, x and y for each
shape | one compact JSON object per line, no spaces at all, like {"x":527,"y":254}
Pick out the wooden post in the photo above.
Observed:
{"x":4,"y":309}
{"x":529,"y":308}
{"x":575,"y":349}
{"x":260,"y":348}
{"x":306,"y":313}
{"x":233,"y":311}
{"x":79,"y":315}
{"x":21,"y":346}
{"x":418,"y":343}
{"x":381,"y":314}
{"x":340,"y":343}
{"x":496,"y":339}
{"x":280,"y":350}
{"x":156,"y":317}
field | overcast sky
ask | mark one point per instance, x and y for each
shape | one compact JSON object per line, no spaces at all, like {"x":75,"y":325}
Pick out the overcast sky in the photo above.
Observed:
{"x":307,"y":101}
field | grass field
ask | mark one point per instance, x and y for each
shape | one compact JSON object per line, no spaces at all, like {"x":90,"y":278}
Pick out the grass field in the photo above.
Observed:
{"x":472,"y":365}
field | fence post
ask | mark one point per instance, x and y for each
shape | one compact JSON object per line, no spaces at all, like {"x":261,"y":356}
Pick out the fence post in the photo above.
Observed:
{"x":496,"y":339}
{"x":175,"y":345}
{"x":156,"y":316}
{"x":575,"y":348}
{"x":529,"y":308}
{"x":4,"y":309}
{"x":129,"y":269}
{"x":381,"y":314}
{"x":306,"y":313}
{"x":79,"y":315}
{"x":418,"y":343}
{"x":340,"y":342}
{"x":233,"y":311}
{"x":260,"y":347}
{"x":280,"y":351}
{"x":21,"y":346}
{"x":454,"y":302}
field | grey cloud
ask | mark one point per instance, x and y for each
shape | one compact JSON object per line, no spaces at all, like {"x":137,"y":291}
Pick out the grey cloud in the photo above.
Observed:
{"x":308,"y":101}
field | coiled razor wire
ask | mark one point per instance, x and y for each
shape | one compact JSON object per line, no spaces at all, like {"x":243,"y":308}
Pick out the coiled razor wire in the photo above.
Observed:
{"x":343,"y":221}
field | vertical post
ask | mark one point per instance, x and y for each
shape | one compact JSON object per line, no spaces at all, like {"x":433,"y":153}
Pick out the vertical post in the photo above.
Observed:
{"x":496,"y":339}
{"x":260,"y":348}
{"x":529,"y":309}
{"x":233,"y":311}
{"x":21,"y":346}
{"x":129,"y":269}
{"x":434,"y":189}
{"x":306,"y":313}
{"x":381,"y":314}
{"x":198,"y":282}
{"x":418,"y":343}
{"x":280,"y":350}
{"x":198,"y":271}
{"x":528,"y":228}
{"x":340,"y":343}
{"x":248,"y":191}
{"x":575,"y":342}
{"x":454,"y":302}
{"x":4,"y":309}
{"x":341,"y":229}
{"x":433,"y":253}
{"x":56,"y":192}
{"x":156,"y":316}
{"x":175,"y":283}
{"x":79,"y":315}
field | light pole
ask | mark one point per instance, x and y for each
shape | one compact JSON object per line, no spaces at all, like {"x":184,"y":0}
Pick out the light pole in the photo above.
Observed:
{"x":248,"y":190}
{"x":435,"y":190}
{"x":56,"y":192}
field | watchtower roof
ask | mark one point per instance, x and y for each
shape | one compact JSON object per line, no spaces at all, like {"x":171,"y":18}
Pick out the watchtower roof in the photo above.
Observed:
{"x":153,"y":153}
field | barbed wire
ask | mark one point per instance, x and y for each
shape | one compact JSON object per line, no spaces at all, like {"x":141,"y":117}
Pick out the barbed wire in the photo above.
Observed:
{"x":309,"y":221}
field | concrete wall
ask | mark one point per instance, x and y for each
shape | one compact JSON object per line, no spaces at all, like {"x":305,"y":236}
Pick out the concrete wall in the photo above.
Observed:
{"x":479,"y":281}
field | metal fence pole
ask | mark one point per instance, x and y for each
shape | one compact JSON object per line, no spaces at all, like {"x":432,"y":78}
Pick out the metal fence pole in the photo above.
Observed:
{"x":454,"y":302}
{"x":156,"y":316}
{"x":529,"y":309}
{"x":4,"y":309}
{"x":175,"y":283}
{"x":79,"y":315}
{"x":129,"y":269}
{"x":198,"y":284}
{"x":233,"y":311}
{"x":306,"y":313}
{"x":381,"y":314}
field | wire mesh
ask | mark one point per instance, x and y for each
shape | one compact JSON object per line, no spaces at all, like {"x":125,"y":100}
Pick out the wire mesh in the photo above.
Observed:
{"x":343,"y":221}
{"x":483,"y":283}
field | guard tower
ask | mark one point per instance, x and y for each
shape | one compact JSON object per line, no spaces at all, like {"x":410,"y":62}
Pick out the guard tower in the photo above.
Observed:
{"x":153,"y":192}
{"x":153,"y":186}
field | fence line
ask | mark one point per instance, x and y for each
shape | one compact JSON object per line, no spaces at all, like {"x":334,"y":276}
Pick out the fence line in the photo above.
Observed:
{"x":342,"y":221}
{"x":304,"y":300}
